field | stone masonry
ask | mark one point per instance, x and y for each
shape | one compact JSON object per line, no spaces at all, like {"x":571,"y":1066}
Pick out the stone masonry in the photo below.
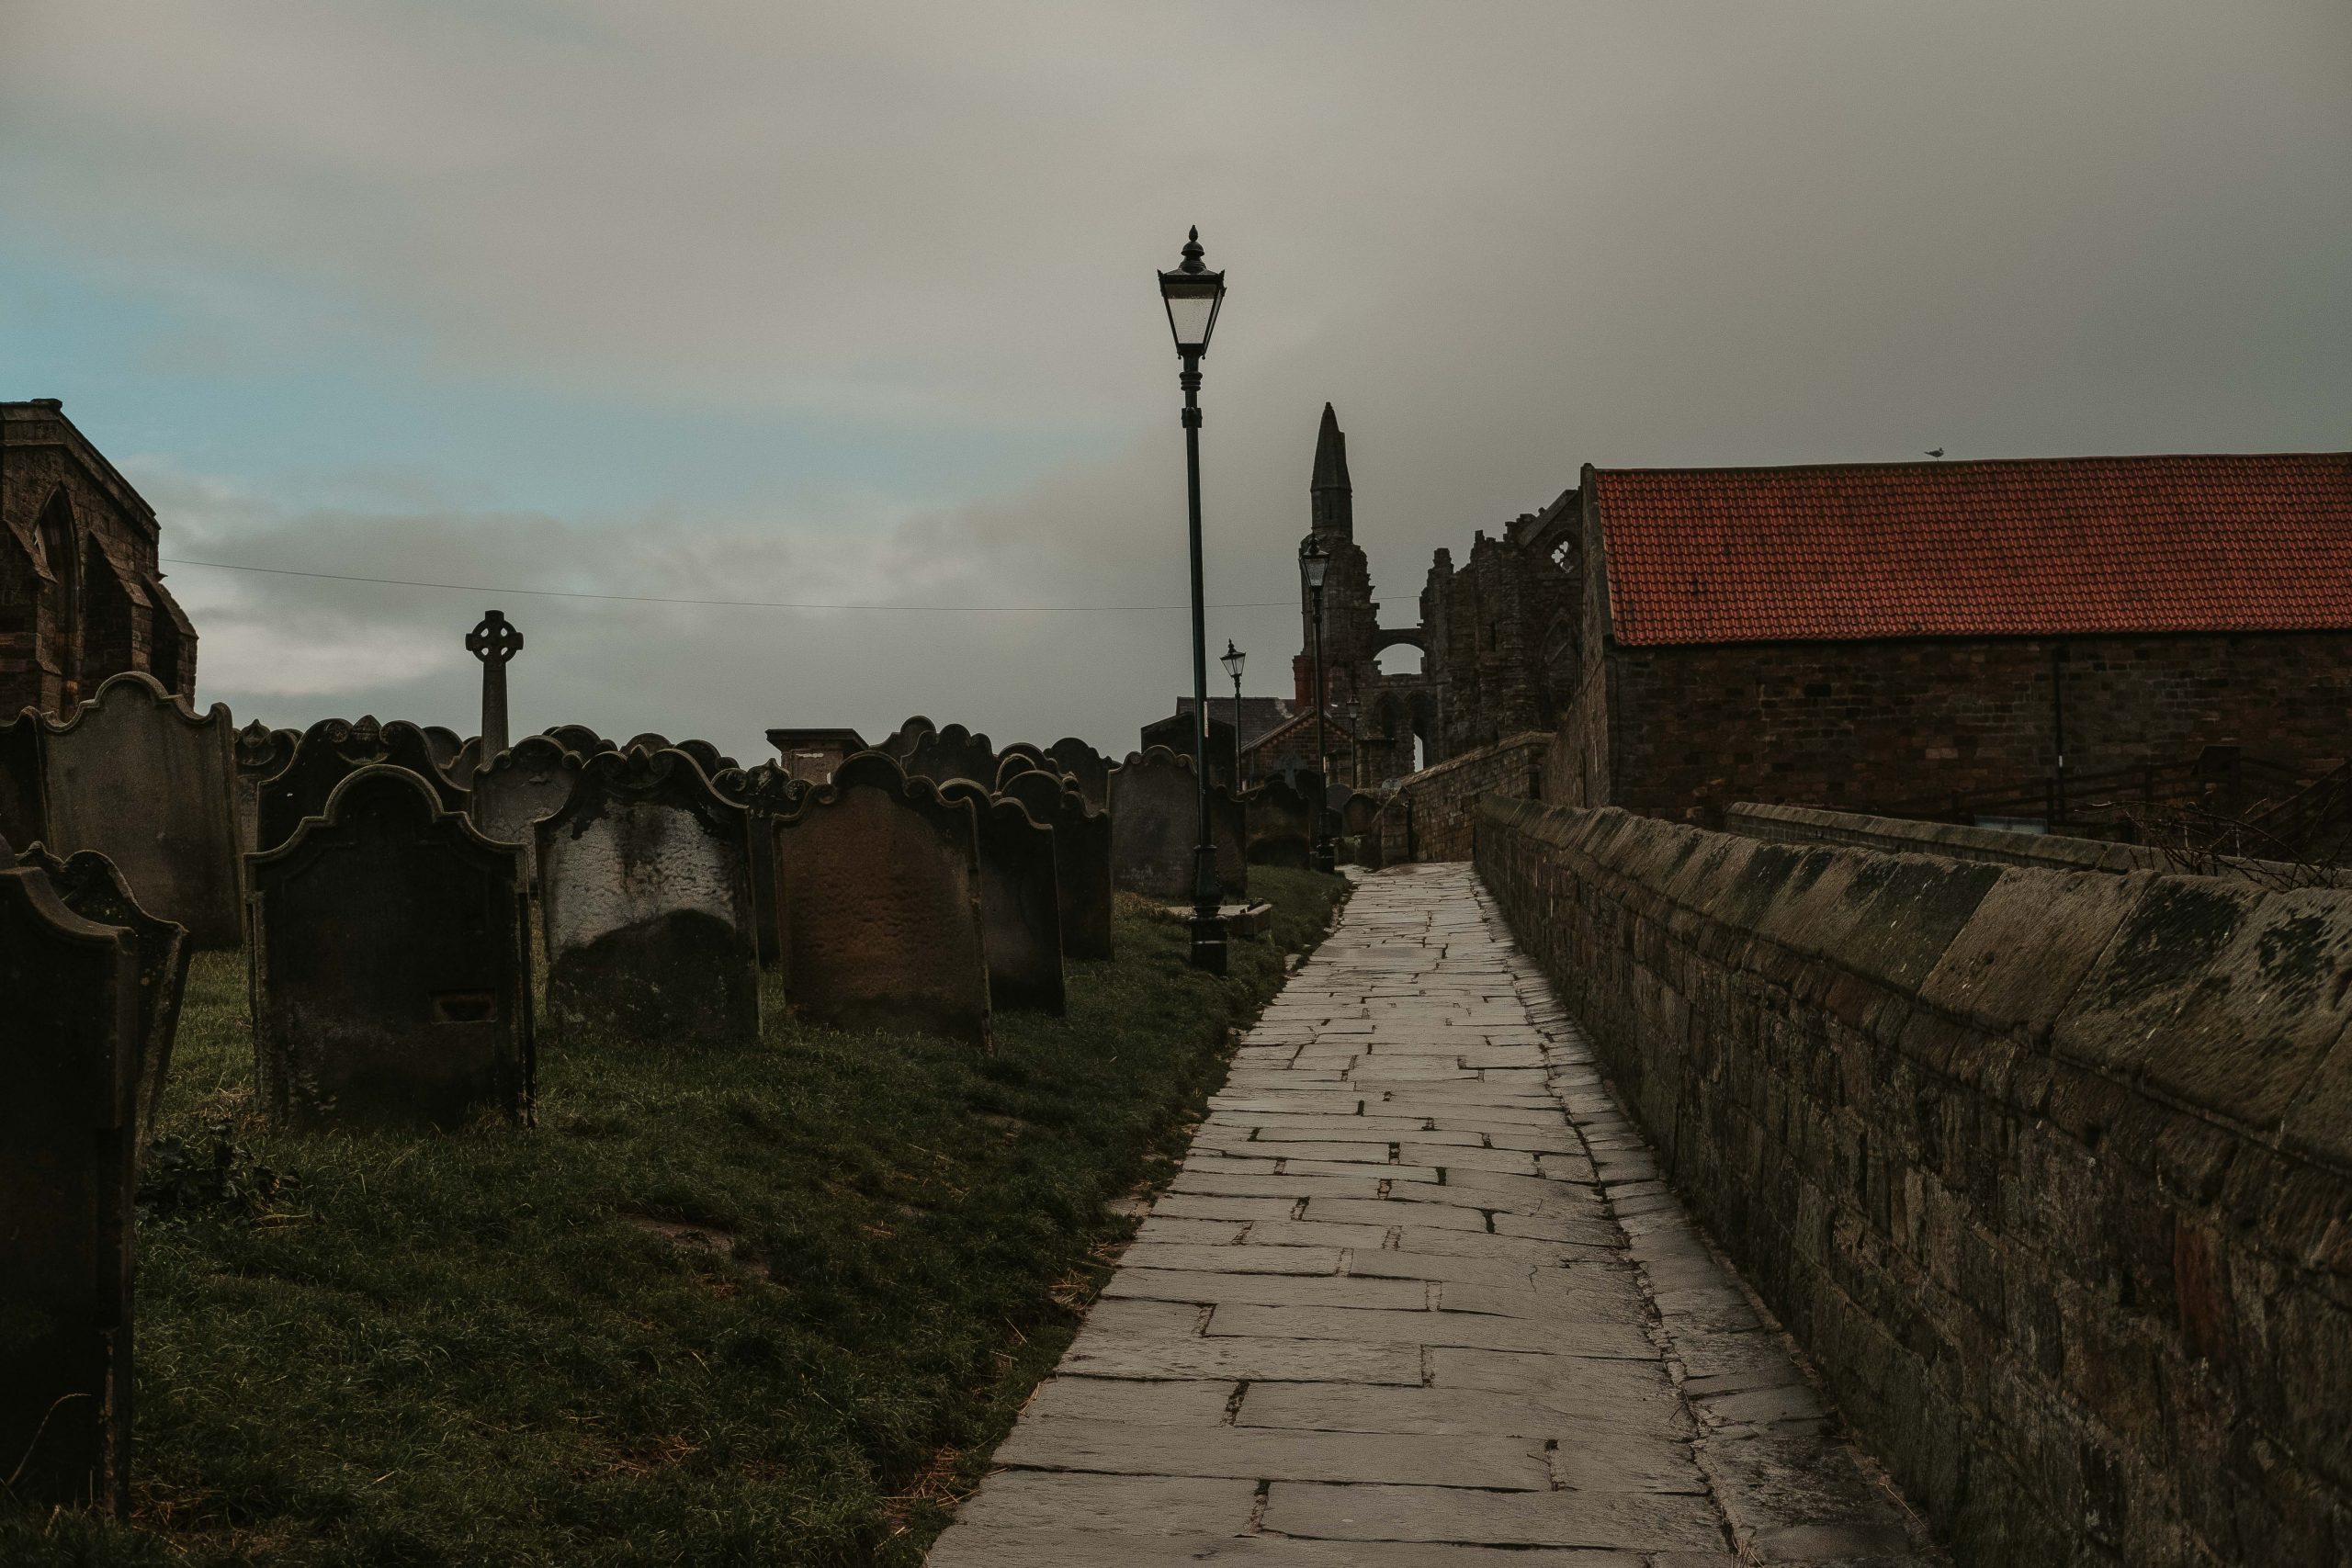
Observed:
{"x":1418,"y":1297}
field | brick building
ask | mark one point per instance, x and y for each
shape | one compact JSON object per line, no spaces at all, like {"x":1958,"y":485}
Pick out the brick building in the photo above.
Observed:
{"x":81,"y":595}
{"x":1921,"y":637}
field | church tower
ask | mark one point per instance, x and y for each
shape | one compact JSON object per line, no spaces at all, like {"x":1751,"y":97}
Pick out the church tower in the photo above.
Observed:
{"x":1332,"y":497}
{"x":1349,"y":619}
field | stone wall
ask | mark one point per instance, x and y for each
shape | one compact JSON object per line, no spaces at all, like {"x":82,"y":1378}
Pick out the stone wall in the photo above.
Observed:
{"x":1870,"y":726}
{"x":1428,"y":817}
{"x":2049,"y":1171}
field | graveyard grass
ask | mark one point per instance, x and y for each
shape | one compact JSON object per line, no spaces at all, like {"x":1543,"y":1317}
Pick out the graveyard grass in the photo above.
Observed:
{"x":770,"y":1305}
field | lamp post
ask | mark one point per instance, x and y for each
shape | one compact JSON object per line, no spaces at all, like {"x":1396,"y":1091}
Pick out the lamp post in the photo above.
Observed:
{"x":1314,"y":562}
{"x":1193,"y":295}
{"x":1231,"y":658}
{"x":1356,"y":745}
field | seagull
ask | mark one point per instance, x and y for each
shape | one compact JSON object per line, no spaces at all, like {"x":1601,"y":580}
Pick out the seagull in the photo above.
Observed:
{"x":1937,"y":453}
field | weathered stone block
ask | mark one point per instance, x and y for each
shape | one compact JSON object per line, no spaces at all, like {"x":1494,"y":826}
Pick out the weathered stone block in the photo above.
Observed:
{"x":879,"y":882}
{"x":645,"y":901}
{"x":1081,"y":857}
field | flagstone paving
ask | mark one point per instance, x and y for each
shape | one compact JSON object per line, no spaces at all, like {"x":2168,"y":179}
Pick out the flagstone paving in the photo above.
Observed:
{"x":1418,"y":1298}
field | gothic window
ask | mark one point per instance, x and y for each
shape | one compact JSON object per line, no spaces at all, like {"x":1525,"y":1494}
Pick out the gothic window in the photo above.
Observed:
{"x":63,"y":562}
{"x":105,"y":620}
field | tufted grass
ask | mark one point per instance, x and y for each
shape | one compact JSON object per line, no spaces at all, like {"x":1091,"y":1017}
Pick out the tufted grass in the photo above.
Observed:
{"x":770,"y":1305}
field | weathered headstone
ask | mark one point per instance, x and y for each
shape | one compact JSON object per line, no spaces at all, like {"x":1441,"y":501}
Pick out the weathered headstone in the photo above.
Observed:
{"x":765,"y":792}
{"x":648,"y":742}
{"x":69,"y":991}
{"x":391,"y":964}
{"x":1081,"y":857}
{"x":89,"y":884}
{"x":259,"y":754}
{"x":330,"y":751}
{"x":900,"y":743}
{"x":1282,"y":824}
{"x":1021,"y":921}
{"x":1359,"y":829}
{"x":1014,"y":764}
{"x":1020,"y":752}
{"x":708,"y":757}
{"x":135,"y":774}
{"x":22,"y":820}
{"x":527,"y":782}
{"x":1091,"y":768}
{"x":954,"y":752}
{"x":879,"y":882}
{"x":466,"y":763}
{"x":1155,"y":825}
{"x":443,"y":744}
{"x":1175,"y":732}
{"x":645,"y":898}
{"x":580,"y":739}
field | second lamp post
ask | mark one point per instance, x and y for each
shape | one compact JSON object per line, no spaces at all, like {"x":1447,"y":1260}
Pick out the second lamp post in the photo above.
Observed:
{"x":1193,"y":295}
{"x":1314,"y":562}
{"x":1231,"y":658}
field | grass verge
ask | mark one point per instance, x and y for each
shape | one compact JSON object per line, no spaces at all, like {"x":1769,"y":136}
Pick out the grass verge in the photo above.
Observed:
{"x":769,"y":1305}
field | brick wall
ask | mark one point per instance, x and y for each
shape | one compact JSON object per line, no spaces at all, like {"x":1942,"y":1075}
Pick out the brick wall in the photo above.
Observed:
{"x":1428,"y":817}
{"x":2051,"y":1172}
{"x":1868,"y":725}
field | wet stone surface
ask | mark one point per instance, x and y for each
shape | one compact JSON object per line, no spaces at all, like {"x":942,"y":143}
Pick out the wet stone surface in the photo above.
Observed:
{"x":1417,"y":1298}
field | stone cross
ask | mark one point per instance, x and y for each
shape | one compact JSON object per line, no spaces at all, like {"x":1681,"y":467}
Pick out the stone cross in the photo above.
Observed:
{"x":493,"y":642}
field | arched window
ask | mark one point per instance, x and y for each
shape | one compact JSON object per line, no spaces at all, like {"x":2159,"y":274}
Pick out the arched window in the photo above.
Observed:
{"x":63,"y":563}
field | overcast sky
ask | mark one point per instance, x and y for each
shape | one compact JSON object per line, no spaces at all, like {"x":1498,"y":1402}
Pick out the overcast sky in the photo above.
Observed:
{"x":853,"y":305}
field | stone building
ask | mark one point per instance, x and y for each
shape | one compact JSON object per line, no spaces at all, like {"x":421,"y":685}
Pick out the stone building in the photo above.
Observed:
{"x":81,"y":595}
{"x":2005,"y":638}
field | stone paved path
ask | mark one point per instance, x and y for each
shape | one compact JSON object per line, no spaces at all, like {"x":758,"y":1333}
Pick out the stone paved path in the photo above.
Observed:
{"x":1417,"y":1298}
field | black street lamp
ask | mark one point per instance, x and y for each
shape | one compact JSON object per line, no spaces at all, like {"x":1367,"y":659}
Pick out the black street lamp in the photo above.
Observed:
{"x":1356,"y":745}
{"x":1231,"y":658}
{"x":1314,"y":562}
{"x":1193,"y":295}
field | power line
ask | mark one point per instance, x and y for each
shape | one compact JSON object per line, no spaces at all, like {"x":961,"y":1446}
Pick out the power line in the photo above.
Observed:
{"x":733,"y":603}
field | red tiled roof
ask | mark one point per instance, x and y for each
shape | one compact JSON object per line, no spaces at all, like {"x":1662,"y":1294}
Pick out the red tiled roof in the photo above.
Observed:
{"x":2014,"y":547}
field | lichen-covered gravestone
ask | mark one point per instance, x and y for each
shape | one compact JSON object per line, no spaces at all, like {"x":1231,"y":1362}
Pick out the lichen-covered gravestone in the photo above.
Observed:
{"x":1081,"y":857}
{"x":69,"y":991}
{"x":329,"y":753}
{"x":391,"y":964}
{"x":1155,"y":824}
{"x":1021,"y":921}
{"x":645,"y":900}
{"x":1082,"y":762}
{"x":879,"y":884}
{"x":259,"y":753}
{"x":1282,"y":824}
{"x":138,"y":776}
{"x":529,"y":781}
{"x":89,"y":884}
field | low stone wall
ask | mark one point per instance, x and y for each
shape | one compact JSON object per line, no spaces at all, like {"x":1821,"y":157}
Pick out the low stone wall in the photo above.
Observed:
{"x":1995,"y":846}
{"x":1428,"y":817}
{"x":2050,"y":1171}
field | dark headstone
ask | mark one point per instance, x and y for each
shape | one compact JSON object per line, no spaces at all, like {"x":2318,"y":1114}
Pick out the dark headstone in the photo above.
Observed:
{"x":1282,"y":824}
{"x":330,"y":751}
{"x":1175,"y":732}
{"x":1020,"y":752}
{"x":135,"y":775}
{"x":69,"y":991}
{"x":259,"y":753}
{"x":900,"y":743}
{"x":392,"y":976}
{"x":1359,"y":829}
{"x":954,"y":752}
{"x":1021,"y":922}
{"x":708,"y":757}
{"x":879,"y":898}
{"x":580,"y":739}
{"x":765,"y":792}
{"x":1081,"y":857}
{"x":528,"y":781}
{"x":89,"y":884}
{"x":443,"y":744}
{"x":1155,"y":824}
{"x":644,"y":897}
{"x":648,"y":741}
{"x":1091,"y":768}
{"x":1013,"y":765}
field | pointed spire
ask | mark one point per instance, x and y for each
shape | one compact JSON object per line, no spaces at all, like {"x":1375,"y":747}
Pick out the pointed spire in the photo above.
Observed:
{"x":1331,"y":489}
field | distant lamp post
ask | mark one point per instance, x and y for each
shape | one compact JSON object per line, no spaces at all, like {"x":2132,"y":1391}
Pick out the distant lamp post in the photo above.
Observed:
{"x":1193,"y":295}
{"x":1231,"y":658}
{"x":1356,"y":745}
{"x":1314,"y":565}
